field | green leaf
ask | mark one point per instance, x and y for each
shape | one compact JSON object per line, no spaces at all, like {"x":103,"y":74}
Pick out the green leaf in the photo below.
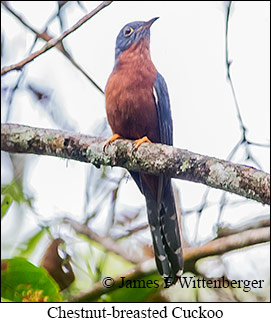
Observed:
{"x":4,"y":300}
{"x":21,"y":281}
{"x":115,"y":264}
{"x":7,"y":200}
{"x":15,"y":190}
{"x":28,"y":246}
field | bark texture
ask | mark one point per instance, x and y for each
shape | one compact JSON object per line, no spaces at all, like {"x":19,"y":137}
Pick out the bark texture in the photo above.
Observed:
{"x":149,"y":158}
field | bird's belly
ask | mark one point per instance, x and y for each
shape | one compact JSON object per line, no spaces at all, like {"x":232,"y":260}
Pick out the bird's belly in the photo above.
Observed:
{"x":132,"y":113}
{"x":131,"y":109}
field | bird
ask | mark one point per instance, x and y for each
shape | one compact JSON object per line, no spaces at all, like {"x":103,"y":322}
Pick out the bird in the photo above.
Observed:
{"x":138,"y":108}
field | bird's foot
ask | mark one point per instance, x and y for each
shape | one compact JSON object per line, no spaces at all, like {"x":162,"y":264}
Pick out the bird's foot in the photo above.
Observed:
{"x":140,"y":141}
{"x":112,"y":139}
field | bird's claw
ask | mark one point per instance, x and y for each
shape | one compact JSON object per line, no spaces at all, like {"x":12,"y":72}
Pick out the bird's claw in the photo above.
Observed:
{"x":106,"y":144}
{"x":140,"y":141}
{"x":109,"y":141}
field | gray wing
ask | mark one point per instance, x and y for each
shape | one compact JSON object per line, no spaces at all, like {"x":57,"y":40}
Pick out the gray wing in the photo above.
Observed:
{"x":161,"y":97}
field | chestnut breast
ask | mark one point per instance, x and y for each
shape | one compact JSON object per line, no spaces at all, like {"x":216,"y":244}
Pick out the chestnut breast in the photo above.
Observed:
{"x":130,"y":105}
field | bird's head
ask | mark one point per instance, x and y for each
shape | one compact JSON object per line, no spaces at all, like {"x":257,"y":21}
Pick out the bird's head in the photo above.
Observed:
{"x":131,"y":33}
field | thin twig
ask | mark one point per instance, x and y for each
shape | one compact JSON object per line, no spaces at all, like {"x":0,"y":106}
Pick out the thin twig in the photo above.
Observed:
{"x":16,"y":87}
{"x":258,"y":222}
{"x":46,"y":37}
{"x":191,"y":255}
{"x":129,"y":232}
{"x":53,"y":42}
{"x":108,"y":243}
{"x":243,"y":128}
{"x":243,"y":140}
{"x":258,"y":144}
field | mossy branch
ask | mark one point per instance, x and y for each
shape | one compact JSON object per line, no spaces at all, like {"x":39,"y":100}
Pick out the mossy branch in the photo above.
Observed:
{"x":149,"y":158}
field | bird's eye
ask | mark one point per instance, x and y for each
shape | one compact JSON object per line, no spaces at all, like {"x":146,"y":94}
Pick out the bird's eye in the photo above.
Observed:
{"x":128,"y":31}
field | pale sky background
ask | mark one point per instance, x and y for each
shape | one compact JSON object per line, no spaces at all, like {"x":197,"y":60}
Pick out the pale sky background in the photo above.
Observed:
{"x":188,"y":49}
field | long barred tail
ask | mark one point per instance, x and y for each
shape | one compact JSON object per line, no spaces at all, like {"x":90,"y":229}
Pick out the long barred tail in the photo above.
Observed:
{"x":165,"y":232}
{"x":164,"y":228}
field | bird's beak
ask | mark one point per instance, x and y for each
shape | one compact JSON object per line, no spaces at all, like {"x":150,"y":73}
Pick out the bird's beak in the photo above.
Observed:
{"x":148,"y":24}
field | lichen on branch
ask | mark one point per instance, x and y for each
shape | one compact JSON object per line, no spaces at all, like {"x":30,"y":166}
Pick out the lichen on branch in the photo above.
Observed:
{"x":150,"y":158}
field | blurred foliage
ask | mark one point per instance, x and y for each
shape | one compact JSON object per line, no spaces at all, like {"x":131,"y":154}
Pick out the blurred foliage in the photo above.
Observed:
{"x":140,"y":293}
{"x":21,"y":281}
{"x":15,"y":191}
{"x":7,"y":200}
{"x":28,"y":246}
